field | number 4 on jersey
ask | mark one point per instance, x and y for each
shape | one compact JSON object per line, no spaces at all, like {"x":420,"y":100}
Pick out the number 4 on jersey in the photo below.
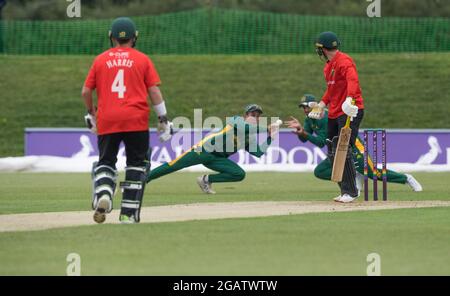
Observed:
{"x":118,"y":85}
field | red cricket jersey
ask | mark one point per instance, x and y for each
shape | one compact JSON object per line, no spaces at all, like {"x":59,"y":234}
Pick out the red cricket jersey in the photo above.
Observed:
{"x":342,"y":82}
{"x":122,"y":77}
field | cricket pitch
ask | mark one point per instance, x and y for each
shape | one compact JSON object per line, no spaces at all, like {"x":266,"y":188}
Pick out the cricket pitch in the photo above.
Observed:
{"x":203,"y":211}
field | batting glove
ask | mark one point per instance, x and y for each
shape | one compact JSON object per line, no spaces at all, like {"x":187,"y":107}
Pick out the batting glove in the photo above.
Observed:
{"x":348,"y":107}
{"x":165,"y":128}
{"x":91,"y":123}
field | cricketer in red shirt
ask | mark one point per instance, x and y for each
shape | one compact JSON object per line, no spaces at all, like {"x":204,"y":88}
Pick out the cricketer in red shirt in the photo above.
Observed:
{"x":344,"y":101}
{"x":122,"y":77}
{"x":342,"y":82}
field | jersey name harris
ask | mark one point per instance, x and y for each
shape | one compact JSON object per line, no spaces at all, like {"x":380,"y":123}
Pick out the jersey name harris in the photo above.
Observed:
{"x":119,"y":63}
{"x":120,"y":60}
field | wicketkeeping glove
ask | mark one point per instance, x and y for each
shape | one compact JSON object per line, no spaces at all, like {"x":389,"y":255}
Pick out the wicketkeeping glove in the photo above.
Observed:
{"x":91,"y":123}
{"x":313,"y":104}
{"x":317,"y":111}
{"x":165,"y":128}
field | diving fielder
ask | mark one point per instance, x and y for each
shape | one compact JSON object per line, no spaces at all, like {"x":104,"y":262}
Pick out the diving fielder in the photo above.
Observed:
{"x":343,"y":98}
{"x":123,"y":77}
{"x":213,"y":151}
{"x":315,"y":131}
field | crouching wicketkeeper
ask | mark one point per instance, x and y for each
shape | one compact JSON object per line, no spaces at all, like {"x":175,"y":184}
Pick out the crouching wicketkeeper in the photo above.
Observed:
{"x":123,"y":78}
{"x":316,"y":131}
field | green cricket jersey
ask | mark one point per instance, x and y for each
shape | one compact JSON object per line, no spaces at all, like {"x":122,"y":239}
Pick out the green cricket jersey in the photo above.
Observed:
{"x":237,"y":134}
{"x":316,"y":130}
{"x":317,"y":134}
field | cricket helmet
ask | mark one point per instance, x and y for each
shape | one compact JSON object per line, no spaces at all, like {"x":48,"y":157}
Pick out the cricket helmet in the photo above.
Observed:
{"x":123,"y":28}
{"x":253,"y":108}
{"x":307,"y":98}
{"x":328,"y":40}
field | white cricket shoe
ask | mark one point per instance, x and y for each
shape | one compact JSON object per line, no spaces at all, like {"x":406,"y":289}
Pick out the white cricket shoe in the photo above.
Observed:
{"x":346,"y":198}
{"x":359,"y":181}
{"x":337,"y":198}
{"x":413,"y":183}
{"x":104,"y":206}
{"x":205,"y":186}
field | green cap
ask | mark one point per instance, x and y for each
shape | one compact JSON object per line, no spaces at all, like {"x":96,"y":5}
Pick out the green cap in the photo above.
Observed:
{"x":123,"y":28}
{"x":307,"y":98}
{"x":328,"y":40}
{"x":253,"y":108}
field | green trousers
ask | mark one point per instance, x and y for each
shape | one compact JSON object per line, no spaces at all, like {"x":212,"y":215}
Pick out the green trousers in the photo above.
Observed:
{"x":228,"y":170}
{"x":323,"y":171}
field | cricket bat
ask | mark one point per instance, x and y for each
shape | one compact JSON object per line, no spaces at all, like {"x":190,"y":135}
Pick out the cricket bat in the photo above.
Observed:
{"x":341,"y":152}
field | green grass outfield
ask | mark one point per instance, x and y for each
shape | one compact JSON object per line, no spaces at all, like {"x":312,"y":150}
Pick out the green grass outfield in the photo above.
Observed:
{"x":45,"y":192}
{"x":400,"y":90}
{"x":409,"y":241}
